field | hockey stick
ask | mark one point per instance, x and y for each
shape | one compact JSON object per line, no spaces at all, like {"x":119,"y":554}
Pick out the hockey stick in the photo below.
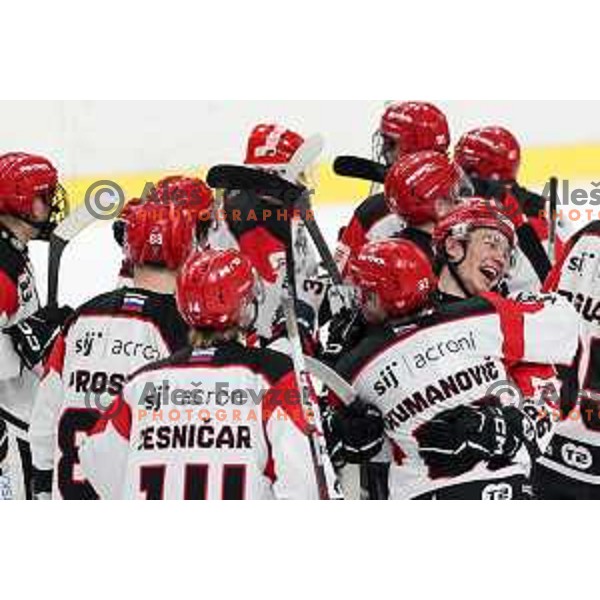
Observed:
{"x":325,"y":374}
{"x":553,"y":220}
{"x":311,"y":413}
{"x":69,"y":229}
{"x":233,"y":177}
{"x":360,"y":168}
{"x":308,"y":217}
{"x":304,"y":157}
{"x":350,"y":475}
{"x":55,"y":252}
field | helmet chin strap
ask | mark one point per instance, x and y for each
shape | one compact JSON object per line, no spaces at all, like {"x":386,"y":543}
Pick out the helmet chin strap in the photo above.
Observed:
{"x":453,"y":268}
{"x":250,"y":319}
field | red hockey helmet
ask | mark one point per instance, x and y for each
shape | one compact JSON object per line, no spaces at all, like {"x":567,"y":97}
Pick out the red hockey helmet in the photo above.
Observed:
{"x":489,"y":153}
{"x":189,"y":192}
{"x":416,"y":183}
{"x":157,"y":234}
{"x":120,"y":222}
{"x":24,"y":177}
{"x":216,"y":289}
{"x":398,"y":272}
{"x":415,"y":127}
{"x":272,"y":145}
{"x":476,"y":213}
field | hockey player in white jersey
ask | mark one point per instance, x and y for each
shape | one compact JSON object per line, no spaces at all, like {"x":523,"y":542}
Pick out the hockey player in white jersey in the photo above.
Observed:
{"x":570,"y":469}
{"x":31,"y":205}
{"x":438,"y":372}
{"x":217,"y":421}
{"x":108,"y":338}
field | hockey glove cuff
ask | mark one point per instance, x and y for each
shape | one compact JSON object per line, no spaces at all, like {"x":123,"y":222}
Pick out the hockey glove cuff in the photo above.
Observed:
{"x":32,"y":337}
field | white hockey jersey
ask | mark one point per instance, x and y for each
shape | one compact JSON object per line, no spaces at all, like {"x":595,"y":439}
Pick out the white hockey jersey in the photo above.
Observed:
{"x":18,"y":301}
{"x":215,"y":424}
{"x":463,"y":353}
{"x":575,"y":448}
{"x":109,"y":338}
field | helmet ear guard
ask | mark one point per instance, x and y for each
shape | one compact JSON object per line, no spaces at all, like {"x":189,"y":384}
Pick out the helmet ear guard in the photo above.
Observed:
{"x":463,"y":238}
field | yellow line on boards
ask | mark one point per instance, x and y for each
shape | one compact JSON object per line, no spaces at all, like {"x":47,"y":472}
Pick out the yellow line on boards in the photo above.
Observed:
{"x":580,"y":163}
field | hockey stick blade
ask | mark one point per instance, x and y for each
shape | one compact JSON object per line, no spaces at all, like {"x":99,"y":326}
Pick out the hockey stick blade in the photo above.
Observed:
{"x":359,"y":168}
{"x":339,"y":386}
{"x":233,"y":177}
{"x":305,"y":156}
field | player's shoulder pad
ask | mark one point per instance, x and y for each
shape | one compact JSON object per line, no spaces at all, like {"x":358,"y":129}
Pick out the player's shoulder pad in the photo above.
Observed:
{"x":162,"y":310}
{"x":371,"y":210}
{"x":376,"y":340}
{"x":159,"y":309}
{"x":106,"y":302}
{"x":454,"y":311}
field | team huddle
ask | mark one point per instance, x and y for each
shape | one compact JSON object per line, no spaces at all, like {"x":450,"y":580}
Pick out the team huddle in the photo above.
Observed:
{"x":448,"y":348}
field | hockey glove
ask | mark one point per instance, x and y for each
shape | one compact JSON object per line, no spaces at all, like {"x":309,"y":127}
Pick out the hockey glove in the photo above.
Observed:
{"x":305,"y":315}
{"x":346,"y":329}
{"x":457,"y":440}
{"x":33,"y":337}
{"x":333,"y":439}
{"x":359,"y":429}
